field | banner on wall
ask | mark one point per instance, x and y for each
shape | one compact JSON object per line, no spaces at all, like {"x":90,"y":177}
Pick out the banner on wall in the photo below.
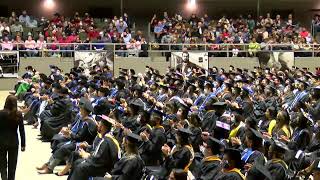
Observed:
{"x":88,"y":59}
{"x":200,"y":59}
{"x":280,"y":60}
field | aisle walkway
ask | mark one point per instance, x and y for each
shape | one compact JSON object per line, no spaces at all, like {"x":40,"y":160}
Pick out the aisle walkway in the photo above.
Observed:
{"x":36,"y":154}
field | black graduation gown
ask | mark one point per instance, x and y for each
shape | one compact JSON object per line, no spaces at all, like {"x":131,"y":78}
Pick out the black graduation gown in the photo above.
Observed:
{"x":278,"y":169}
{"x":221,"y":132}
{"x":315,"y":110}
{"x":128,"y":168}
{"x":247,"y":107}
{"x":300,"y":139}
{"x":208,"y":123}
{"x":150,"y":150}
{"x":58,"y":140}
{"x":57,"y":117}
{"x":209,"y":168}
{"x":102,"y":160}
{"x":87,"y":133}
{"x":196,"y":139}
{"x":229,"y":176}
{"x":256,"y":157}
{"x":130,"y":122}
{"x":179,"y":159}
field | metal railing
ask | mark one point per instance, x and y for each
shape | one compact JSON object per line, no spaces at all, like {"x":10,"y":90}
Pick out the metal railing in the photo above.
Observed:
{"x":313,"y":49}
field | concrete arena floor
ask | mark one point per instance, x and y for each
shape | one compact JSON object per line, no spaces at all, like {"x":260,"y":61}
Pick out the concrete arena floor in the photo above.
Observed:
{"x":36,"y":154}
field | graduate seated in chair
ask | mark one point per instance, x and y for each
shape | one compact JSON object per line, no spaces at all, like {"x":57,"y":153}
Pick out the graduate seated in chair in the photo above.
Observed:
{"x":97,"y":159}
{"x":68,"y":140}
{"x":58,"y":116}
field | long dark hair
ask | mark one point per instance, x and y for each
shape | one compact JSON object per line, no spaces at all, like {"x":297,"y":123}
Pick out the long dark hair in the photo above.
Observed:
{"x":11,"y":106}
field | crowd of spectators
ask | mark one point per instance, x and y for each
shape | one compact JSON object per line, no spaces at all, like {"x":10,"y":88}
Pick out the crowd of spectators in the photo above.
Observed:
{"x":263,"y":33}
{"x":44,"y":37}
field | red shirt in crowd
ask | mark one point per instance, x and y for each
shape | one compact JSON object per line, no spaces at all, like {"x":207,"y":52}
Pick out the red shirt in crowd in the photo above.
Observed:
{"x":93,"y":34}
{"x":304,"y":34}
{"x":56,"y":20}
{"x":88,"y":20}
{"x":225,"y":35}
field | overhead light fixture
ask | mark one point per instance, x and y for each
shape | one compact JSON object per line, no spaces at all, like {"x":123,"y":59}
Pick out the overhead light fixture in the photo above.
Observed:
{"x":191,"y":5}
{"x":49,"y":4}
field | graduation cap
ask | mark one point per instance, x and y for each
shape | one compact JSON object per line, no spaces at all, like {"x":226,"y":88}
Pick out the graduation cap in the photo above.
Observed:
{"x":184,"y":132}
{"x":137,"y":87}
{"x":214,"y":143}
{"x":212,"y":76}
{"x":105,"y":120}
{"x":56,"y":85}
{"x":219,"y":104}
{"x":303,"y":82}
{"x":29,"y":68}
{"x":103,"y":90}
{"x":82,"y":82}
{"x":305,"y":68}
{"x":93,"y":86}
{"x":132,"y":71}
{"x":157,"y":113}
{"x":120,"y":82}
{"x":256,"y":134}
{"x":133,"y":138}
{"x":258,"y":171}
{"x":137,"y":103}
{"x":53,"y":67}
{"x":85,"y":104}
{"x":239,"y":70}
{"x":228,"y":83}
{"x":48,"y":81}
{"x":64,"y":90}
{"x":235,"y":155}
{"x":279,"y":146}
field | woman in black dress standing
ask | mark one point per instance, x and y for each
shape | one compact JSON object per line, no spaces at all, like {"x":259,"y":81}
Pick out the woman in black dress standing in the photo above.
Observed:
{"x":10,"y":120}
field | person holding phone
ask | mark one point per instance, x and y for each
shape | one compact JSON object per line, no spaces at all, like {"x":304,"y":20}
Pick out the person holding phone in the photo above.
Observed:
{"x":11,"y":120}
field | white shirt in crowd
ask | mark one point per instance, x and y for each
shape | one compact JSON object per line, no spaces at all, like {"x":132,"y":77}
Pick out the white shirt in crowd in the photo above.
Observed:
{"x":30,"y":44}
{"x":41,"y":45}
{"x":2,"y":28}
{"x":24,"y":19}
